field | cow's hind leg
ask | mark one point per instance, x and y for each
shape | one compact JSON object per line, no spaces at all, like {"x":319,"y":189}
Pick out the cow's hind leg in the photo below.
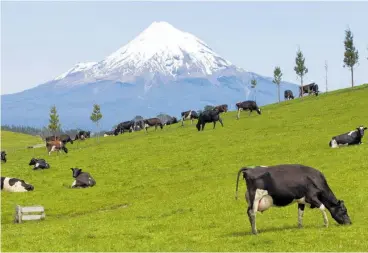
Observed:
{"x":300,"y":215}
{"x":222,"y":124}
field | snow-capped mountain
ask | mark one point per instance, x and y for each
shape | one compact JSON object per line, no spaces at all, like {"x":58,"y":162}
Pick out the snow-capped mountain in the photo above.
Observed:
{"x":162,"y":70}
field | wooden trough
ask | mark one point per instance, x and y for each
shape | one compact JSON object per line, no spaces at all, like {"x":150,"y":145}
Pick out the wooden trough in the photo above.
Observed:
{"x":29,"y":213}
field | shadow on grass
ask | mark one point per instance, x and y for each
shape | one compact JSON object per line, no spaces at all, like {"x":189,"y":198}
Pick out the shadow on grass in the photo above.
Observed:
{"x":248,"y":232}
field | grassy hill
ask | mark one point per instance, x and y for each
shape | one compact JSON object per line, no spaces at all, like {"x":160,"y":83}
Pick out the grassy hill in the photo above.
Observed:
{"x":173,"y":190}
{"x":11,"y":141}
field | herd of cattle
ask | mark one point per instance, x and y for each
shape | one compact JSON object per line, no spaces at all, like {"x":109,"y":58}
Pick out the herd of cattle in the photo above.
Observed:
{"x":267,"y":186}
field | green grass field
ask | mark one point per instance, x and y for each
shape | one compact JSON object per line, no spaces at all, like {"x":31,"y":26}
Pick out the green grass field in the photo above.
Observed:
{"x":173,"y":190}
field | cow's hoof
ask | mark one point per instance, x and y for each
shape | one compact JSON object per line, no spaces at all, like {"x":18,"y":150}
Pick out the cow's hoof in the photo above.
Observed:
{"x":300,"y":226}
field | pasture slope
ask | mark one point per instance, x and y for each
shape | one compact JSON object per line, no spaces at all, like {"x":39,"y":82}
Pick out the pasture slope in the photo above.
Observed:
{"x":173,"y":190}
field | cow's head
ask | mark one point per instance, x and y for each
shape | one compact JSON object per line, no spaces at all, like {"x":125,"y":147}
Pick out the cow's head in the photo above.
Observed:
{"x":361,"y":130}
{"x":3,"y":156}
{"x":76,"y":172}
{"x":26,"y":186}
{"x":259,"y":110}
{"x":198,"y":126}
{"x":340,"y":213}
{"x":65,"y":149}
{"x":33,"y":161}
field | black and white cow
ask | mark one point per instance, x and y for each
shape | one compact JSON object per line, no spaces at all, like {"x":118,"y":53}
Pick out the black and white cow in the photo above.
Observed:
{"x":82,"y":135}
{"x":288,"y":94}
{"x":11,"y":184}
{"x":207,"y":117}
{"x":39,"y":164}
{"x":282,"y":185}
{"x":188,"y":115}
{"x":3,"y":156}
{"x":152,"y":122}
{"x":126,"y":126}
{"x":82,"y":179}
{"x":351,"y":138}
{"x":114,"y":132}
{"x":247,"y":105}
{"x":311,"y":88}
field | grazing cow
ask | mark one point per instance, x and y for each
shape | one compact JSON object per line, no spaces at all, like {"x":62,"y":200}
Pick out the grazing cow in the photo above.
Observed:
{"x":126,"y":126}
{"x":56,"y":146}
{"x":207,"y":117}
{"x":11,"y":184}
{"x":309,"y":88}
{"x":3,"y":156}
{"x":247,"y":105}
{"x":64,"y":138}
{"x":39,"y":164}
{"x":111,"y":133}
{"x":188,"y":115}
{"x":82,"y":135}
{"x":152,"y":122}
{"x":171,"y":121}
{"x":282,"y":185}
{"x":351,"y":138}
{"x":221,"y":108}
{"x":288,"y":94}
{"x":82,"y":179}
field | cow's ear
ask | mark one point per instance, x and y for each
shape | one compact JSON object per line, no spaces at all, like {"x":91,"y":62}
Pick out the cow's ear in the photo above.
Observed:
{"x":365,"y":128}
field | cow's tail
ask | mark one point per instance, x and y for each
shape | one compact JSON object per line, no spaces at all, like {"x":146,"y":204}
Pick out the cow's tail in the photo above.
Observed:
{"x":237,"y":181}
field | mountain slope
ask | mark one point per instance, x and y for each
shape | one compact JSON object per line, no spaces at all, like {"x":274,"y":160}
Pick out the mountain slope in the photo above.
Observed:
{"x":161,"y":70}
{"x":173,"y":190}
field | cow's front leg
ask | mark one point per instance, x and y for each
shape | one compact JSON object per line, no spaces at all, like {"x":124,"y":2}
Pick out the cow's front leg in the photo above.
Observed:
{"x":214,"y":124}
{"x":314,"y":201}
{"x":300,"y":215}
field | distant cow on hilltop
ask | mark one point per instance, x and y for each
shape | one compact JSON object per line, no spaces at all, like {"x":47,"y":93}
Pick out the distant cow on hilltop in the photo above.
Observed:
{"x":221,"y":108}
{"x":247,"y":105}
{"x":188,"y":115}
{"x":288,"y":94}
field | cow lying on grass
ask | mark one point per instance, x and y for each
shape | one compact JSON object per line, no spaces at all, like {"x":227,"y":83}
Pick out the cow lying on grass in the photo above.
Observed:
{"x":282,"y":185}
{"x":39,"y":164}
{"x":352,"y":138}
{"x":82,"y":179}
{"x":11,"y":184}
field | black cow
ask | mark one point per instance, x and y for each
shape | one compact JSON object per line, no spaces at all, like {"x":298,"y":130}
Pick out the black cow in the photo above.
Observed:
{"x":3,"y":156}
{"x":82,"y":135}
{"x":282,"y":185}
{"x":11,"y":184}
{"x":311,"y":88}
{"x":171,"y":121}
{"x":221,"y":108}
{"x":126,"y":126}
{"x":247,"y":105}
{"x":64,"y":138}
{"x":351,"y":138}
{"x":207,"y":117}
{"x":39,"y":164}
{"x":288,"y":94}
{"x":188,"y":115}
{"x":152,"y":122}
{"x":82,"y":179}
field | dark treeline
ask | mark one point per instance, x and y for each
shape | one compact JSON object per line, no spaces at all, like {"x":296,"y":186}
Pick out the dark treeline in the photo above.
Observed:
{"x":42,"y":132}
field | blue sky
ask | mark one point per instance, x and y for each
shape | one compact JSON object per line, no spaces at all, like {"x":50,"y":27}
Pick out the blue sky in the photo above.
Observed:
{"x":41,"y":40}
